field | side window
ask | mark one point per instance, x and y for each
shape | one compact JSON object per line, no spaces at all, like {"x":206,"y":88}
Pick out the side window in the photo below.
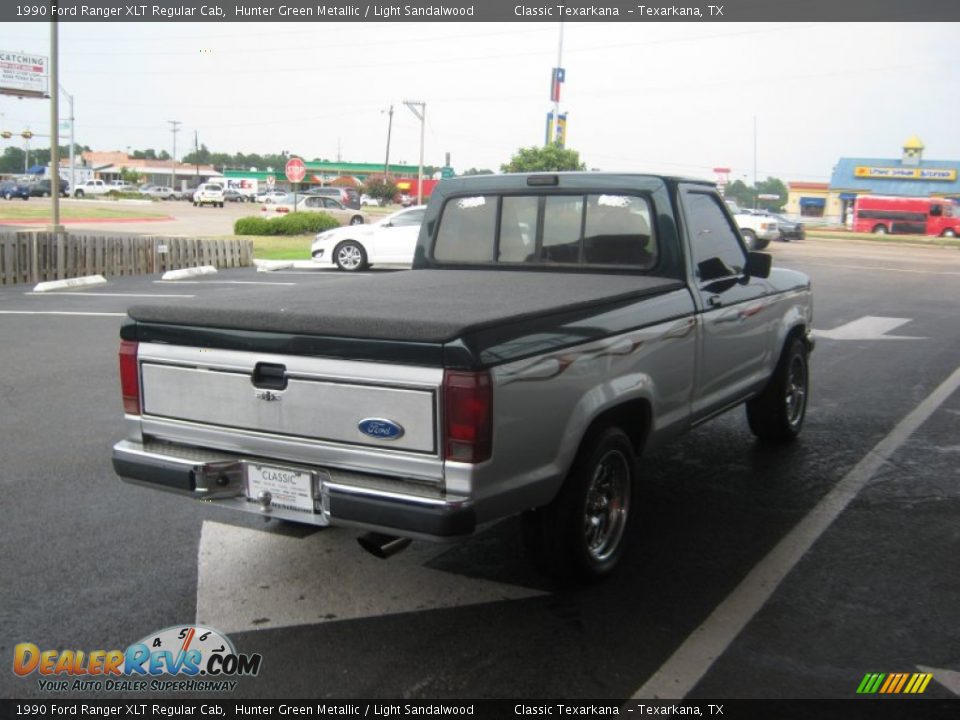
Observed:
{"x":312,"y":202}
{"x":716,"y":250}
{"x":414,"y":217}
{"x":936,"y":210}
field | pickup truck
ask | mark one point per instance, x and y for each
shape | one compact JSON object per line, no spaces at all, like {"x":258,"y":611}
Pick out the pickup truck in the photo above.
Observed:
{"x":552,"y":329}
{"x":92,"y":187}
{"x":757,"y":229}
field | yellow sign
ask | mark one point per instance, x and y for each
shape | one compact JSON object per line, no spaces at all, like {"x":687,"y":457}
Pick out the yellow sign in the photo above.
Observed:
{"x":905,"y":173}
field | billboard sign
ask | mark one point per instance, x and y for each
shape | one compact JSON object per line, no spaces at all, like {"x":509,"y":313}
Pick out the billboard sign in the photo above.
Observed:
{"x":23,"y":74}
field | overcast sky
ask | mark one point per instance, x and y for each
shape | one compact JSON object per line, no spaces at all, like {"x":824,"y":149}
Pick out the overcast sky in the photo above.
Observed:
{"x":673,"y":98}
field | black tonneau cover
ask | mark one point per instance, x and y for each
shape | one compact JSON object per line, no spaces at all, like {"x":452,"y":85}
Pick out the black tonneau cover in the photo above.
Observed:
{"x":427,"y":306}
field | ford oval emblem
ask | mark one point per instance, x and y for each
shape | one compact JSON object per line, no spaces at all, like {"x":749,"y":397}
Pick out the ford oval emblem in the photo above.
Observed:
{"x":381,"y":429}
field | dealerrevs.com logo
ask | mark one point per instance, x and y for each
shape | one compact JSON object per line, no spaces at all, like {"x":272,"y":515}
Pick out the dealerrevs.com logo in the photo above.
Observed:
{"x":200,"y":658}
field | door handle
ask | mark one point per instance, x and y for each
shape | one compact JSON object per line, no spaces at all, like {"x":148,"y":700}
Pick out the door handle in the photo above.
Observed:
{"x":714,"y":301}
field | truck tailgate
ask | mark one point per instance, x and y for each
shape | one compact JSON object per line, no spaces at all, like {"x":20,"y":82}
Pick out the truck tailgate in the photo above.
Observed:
{"x":292,"y":396}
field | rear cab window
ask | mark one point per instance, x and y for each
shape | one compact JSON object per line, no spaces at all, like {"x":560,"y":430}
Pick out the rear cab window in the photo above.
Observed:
{"x":579,"y":230}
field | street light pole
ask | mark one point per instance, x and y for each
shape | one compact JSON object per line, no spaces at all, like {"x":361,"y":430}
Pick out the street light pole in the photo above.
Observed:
{"x":386,"y":162}
{"x":421,"y":113}
{"x":72,"y":164}
{"x":174,"y":127}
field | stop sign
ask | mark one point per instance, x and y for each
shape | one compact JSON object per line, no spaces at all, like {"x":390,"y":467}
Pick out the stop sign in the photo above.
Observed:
{"x":296,"y":170}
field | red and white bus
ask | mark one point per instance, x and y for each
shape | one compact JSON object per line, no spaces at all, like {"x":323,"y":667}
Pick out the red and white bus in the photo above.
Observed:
{"x":906,"y":216}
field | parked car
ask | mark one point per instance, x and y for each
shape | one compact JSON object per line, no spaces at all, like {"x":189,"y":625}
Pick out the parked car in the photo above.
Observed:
{"x":144,"y":189}
{"x":346,"y":195}
{"x":41,"y":188}
{"x":123,"y":186}
{"x":389,"y":241}
{"x":234,"y":195}
{"x":272,"y":196}
{"x":209,"y":194}
{"x":788,"y":229}
{"x":313,"y":203}
{"x":10,"y":189}
{"x":162,"y":192}
{"x":367,"y":200}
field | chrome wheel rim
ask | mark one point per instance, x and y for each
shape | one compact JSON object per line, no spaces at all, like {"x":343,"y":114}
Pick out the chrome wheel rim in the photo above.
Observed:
{"x":348,"y":257}
{"x":796,"y":391}
{"x":607,"y":505}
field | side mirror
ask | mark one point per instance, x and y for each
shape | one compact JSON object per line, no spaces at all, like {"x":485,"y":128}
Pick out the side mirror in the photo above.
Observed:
{"x":758,"y":264}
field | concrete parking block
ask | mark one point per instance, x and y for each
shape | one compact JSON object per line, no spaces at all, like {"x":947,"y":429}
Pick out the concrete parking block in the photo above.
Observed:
{"x":85,"y":281}
{"x":188,"y":272}
{"x":271,"y":265}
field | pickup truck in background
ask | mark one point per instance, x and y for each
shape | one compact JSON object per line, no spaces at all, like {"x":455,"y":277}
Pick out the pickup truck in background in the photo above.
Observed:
{"x":758,"y":230}
{"x":554,"y":327}
{"x":92,"y":187}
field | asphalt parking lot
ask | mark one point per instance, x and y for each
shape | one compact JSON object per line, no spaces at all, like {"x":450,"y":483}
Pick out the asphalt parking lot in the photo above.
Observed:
{"x":756,"y":573}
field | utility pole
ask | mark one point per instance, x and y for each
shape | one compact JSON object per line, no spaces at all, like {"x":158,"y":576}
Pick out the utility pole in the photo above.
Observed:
{"x":196,"y":153}
{"x":386,"y":162}
{"x":556,"y":102}
{"x":174,"y":128}
{"x":419,"y":108}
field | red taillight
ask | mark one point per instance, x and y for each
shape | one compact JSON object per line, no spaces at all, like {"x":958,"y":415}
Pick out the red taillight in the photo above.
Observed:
{"x":283,"y":210}
{"x":129,"y":377}
{"x":468,"y":416}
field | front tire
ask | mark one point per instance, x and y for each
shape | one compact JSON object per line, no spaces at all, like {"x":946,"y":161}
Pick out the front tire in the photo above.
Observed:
{"x":582,"y":534}
{"x":750,"y":238}
{"x":949,"y":232}
{"x":350,"y":256}
{"x":776,"y":415}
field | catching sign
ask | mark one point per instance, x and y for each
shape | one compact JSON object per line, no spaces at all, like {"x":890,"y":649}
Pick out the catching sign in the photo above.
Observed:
{"x":23,"y":74}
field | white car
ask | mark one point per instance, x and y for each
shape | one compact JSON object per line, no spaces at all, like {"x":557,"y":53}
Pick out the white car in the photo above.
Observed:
{"x":208,"y":194}
{"x":315,"y":203}
{"x":390,"y":241}
{"x":162,"y":192}
{"x":271,"y":196}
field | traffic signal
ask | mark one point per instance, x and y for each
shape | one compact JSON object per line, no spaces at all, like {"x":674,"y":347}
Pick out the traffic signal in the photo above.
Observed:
{"x":6,"y":134}
{"x":26,"y":134}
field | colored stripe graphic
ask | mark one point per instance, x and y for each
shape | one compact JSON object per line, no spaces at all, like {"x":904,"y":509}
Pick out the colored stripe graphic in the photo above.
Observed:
{"x":894,"y":683}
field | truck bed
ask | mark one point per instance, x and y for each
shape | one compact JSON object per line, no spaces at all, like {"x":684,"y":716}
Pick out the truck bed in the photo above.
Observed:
{"x":423,"y":306}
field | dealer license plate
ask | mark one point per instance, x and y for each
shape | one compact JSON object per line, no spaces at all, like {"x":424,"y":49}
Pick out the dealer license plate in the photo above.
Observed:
{"x":288,"y":488}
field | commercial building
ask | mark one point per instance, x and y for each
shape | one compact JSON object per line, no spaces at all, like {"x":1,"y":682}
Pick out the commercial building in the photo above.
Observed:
{"x":910,"y":175}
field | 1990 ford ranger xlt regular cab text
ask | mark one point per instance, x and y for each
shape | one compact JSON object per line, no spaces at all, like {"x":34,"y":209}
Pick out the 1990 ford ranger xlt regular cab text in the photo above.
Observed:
{"x":553,"y":328}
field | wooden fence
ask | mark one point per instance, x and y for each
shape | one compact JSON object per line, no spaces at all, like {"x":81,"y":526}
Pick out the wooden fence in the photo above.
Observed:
{"x":28,"y":257}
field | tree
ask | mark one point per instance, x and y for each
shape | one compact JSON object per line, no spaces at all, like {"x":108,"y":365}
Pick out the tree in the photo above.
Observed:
{"x":772,"y":186}
{"x":475,"y":171}
{"x":380,"y":189}
{"x":541,"y":159}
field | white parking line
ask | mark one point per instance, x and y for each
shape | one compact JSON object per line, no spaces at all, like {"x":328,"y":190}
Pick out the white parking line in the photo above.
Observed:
{"x":690,"y":662}
{"x":871,"y":268}
{"x":60,"y":312}
{"x":218,"y":282}
{"x":96,"y":294}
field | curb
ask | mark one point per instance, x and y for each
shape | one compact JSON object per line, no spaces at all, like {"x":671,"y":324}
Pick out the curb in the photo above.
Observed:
{"x":84,"y":281}
{"x":188,"y":272}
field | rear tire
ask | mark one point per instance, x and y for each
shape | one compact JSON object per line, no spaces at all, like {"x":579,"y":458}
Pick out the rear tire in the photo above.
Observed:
{"x":880,"y":230}
{"x":356,"y":220}
{"x":582,"y":533}
{"x":776,"y":414}
{"x":79,"y":194}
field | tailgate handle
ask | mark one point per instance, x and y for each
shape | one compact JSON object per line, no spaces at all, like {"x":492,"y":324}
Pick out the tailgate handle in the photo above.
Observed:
{"x":269,"y":376}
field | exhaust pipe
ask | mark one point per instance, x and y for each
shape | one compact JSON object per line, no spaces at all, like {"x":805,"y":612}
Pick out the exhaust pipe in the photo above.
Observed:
{"x":383,"y":546}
